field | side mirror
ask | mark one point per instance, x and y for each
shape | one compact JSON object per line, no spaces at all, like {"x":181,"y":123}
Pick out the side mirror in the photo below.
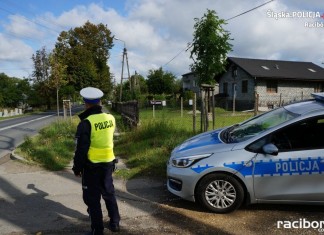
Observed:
{"x":270,"y":149}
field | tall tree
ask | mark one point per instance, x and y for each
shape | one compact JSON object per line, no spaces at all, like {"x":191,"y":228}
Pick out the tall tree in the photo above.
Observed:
{"x":85,"y":52}
{"x":209,"y":47}
{"x":58,"y":77}
{"x":41,"y":76}
{"x":57,"y":72}
{"x":160,"y":82}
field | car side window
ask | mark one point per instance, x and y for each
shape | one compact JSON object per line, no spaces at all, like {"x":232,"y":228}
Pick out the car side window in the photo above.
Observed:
{"x":256,"y":147}
{"x":304,"y":135}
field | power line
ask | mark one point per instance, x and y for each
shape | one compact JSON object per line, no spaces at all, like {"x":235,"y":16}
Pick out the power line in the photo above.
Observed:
{"x":14,"y":69}
{"x":176,"y":56}
{"x":34,"y":22}
{"x":23,"y":9}
{"x":12,"y":34}
{"x":25,"y":37}
{"x":243,"y":13}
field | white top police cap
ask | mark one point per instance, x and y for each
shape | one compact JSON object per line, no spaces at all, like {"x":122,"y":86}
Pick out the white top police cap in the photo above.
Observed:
{"x":91,"y":94}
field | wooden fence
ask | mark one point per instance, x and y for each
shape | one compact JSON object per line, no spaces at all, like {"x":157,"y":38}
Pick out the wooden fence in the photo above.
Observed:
{"x":129,"y":111}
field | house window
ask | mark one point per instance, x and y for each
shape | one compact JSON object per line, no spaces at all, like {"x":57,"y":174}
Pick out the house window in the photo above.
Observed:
{"x":244,"y":86}
{"x":234,"y":71}
{"x":225,"y":88}
{"x":318,"y":87}
{"x":272,"y":86}
{"x":265,"y":67}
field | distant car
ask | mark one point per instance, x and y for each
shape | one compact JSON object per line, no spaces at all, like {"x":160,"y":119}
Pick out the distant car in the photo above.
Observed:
{"x":276,"y":157}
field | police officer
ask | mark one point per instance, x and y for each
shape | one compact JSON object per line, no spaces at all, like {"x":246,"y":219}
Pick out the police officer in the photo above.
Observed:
{"x":94,"y":160}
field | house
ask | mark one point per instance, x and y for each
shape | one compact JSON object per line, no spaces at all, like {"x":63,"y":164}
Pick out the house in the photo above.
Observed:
{"x":190,"y":83}
{"x":271,"y":83}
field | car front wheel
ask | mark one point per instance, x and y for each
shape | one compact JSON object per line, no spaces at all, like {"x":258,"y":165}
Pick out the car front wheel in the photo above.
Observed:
{"x":220,"y":193}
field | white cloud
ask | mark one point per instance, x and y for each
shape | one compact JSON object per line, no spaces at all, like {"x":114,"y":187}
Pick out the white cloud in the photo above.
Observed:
{"x":260,"y":36}
{"x":15,"y":57}
{"x":157,"y":32}
{"x":13,"y":50}
{"x":22,"y":27}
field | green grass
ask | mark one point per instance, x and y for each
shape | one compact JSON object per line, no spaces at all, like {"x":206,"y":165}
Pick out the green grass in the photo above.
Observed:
{"x":52,"y":148}
{"x":222,"y":118}
{"x":145,"y":149}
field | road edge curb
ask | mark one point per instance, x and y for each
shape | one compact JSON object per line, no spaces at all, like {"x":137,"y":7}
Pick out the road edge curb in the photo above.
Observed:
{"x":5,"y":158}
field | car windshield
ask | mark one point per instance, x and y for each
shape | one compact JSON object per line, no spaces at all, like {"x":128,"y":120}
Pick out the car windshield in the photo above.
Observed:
{"x":254,"y":126}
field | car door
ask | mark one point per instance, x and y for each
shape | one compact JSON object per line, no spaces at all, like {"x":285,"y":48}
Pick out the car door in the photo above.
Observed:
{"x":296,"y":173}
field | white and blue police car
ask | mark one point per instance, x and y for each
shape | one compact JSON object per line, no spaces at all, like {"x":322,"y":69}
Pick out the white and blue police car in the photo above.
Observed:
{"x":276,"y":157}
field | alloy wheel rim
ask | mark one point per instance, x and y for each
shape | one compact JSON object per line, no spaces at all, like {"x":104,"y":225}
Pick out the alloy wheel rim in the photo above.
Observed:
{"x":220,"y":194}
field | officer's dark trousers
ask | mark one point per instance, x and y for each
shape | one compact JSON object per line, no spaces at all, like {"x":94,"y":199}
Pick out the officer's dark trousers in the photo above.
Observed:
{"x":97,"y":181}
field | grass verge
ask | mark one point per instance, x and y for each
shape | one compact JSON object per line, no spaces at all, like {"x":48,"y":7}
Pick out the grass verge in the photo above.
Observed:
{"x":147,"y":148}
{"x":52,"y":148}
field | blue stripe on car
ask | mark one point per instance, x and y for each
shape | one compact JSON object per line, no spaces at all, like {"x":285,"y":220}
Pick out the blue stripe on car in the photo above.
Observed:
{"x":280,"y":167}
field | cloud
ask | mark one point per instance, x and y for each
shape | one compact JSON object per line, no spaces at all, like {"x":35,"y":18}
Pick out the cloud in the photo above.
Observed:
{"x":15,"y":57}
{"x":22,"y":27}
{"x":261,"y":36}
{"x":156,"y":33}
{"x":13,"y":50}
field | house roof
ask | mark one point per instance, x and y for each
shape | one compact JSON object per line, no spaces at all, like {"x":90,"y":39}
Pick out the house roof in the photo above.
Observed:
{"x":187,"y":74}
{"x":292,"y":70}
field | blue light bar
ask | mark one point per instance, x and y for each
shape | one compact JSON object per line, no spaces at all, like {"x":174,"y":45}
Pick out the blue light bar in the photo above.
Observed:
{"x":318,"y":96}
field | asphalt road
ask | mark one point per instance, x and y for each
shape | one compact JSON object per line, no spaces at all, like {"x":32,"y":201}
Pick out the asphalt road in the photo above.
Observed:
{"x":14,"y":130}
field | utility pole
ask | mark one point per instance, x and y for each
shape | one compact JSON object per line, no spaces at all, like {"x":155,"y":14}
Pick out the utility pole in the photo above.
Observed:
{"x":122,"y":72}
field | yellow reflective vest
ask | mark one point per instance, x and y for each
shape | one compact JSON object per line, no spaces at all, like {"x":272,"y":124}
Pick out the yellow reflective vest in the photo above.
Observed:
{"x":101,"y":139}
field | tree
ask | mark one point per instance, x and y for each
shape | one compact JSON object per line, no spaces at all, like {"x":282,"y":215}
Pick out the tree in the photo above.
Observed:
{"x":13,"y":91}
{"x":57,"y":72}
{"x":85,"y":52}
{"x":141,"y":84}
{"x":138,"y":88}
{"x":58,"y":76}
{"x":41,"y":76}
{"x":160,"y":82}
{"x":209,"y":47}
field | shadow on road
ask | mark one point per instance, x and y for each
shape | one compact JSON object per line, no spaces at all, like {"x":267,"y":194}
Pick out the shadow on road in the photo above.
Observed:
{"x":32,"y":211}
{"x":146,"y":208}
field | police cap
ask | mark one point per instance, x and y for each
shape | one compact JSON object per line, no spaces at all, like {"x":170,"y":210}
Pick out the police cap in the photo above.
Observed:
{"x":91,"y":95}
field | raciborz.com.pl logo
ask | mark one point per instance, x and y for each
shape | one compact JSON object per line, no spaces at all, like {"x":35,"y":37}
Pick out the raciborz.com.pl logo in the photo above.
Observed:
{"x":301,"y":224}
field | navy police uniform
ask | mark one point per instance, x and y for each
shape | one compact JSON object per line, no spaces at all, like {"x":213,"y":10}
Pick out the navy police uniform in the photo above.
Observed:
{"x":94,"y":160}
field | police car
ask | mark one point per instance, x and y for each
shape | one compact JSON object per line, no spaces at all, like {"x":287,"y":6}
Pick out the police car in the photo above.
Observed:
{"x":276,"y":157}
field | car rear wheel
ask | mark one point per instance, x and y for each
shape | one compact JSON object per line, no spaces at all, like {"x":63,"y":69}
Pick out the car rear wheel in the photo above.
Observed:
{"x":220,"y":193}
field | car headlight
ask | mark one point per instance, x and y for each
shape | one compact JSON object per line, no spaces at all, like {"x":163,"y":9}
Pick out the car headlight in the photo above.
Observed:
{"x":189,"y":160}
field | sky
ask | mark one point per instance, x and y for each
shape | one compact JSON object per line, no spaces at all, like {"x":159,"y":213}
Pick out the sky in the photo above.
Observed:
{"x":156,"y":32}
